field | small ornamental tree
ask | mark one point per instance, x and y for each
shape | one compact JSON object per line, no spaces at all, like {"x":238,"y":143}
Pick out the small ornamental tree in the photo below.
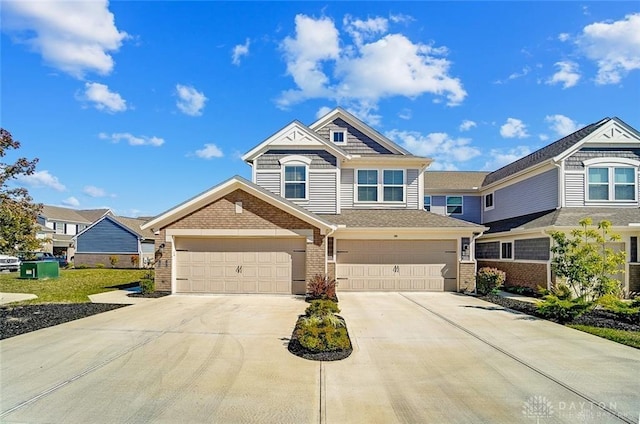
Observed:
{"x":586,"y":261}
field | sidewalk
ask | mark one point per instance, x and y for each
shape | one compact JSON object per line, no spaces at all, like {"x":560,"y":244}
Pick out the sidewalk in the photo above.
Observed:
{"x":119,"y":297}
{"x":517,"y":297}
{"x":15,"y":297}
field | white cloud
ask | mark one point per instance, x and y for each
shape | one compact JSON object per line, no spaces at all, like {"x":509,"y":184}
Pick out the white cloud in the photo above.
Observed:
{"x":190,"y":101}
{"x":239,"y":51}
{"x":405,"y":114}
{"x":323,"y":111}
{"x":71,"y":201}
{"x":133,"y":140}
{"x":94,"y":191}
{"x":42,"y":179}
{"x":614,"y":46}
{"x":467,"y":125}
{"x":561,"y":124}
{"x":76,"y":37}
{"x":377,"y":65}
{"x":563,"y":36}
{"x":209,"y":151}
{"x":524,"y":72}
{"x":543,"y":137}
{"x":514,"y":128}
{"x":500,"y":158}
{"x":103,"y":99}
{"x":440,"y":146}
{"x":568,"y":74}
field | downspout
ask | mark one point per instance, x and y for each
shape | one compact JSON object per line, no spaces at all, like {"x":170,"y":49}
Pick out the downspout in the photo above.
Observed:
{"x":474,"y":237}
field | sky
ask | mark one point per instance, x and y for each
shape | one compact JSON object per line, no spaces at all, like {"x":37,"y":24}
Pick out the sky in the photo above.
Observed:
{"x":140,"y":105}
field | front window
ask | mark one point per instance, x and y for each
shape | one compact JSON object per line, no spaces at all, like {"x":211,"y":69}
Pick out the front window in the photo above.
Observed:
{"x":393,"y":185}
{"x":367,"y":185}
{"x":612,"y":184}
{"x":295,"y":182}
{"x":454,"y":205}
{"x":506,"y":250}
{"x":427,"y":203}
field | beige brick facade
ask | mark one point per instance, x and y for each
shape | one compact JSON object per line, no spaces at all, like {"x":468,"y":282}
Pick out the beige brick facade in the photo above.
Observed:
{"x":524,"y":274}
{"x":256,"y":214}
{"x":466,"y":276}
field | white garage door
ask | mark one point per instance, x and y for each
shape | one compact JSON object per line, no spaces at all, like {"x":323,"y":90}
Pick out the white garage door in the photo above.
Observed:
{"x":234,"y":265}
{"x":396,"y":265}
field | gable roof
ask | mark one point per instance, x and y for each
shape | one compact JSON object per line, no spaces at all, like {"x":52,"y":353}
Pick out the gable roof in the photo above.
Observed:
{"x":398,"y":218}
{"x":567,"y":217}
{"x":295,"y":135}
{"x":131,"y":225}
{"x":546,"y":153}
{"x":82,"y":216}
{"x":361,"y":126}
{"x":453,"y":180}
{"x":226,"y":187}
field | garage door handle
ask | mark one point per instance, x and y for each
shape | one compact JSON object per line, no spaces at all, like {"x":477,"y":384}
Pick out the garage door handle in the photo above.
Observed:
{"x":239,"y":269}
{"x":396,"y":268}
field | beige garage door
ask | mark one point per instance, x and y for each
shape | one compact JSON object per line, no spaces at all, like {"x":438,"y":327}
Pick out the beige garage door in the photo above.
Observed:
{"x":234,"y":265}
{"x":396,"y":265}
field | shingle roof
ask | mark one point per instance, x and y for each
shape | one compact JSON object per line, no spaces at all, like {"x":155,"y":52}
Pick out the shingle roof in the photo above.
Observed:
{"x":93,"y":214}
{"x":453,"y":180}
{"x":58,"y":213}
{"x":544,"y":153}
{"x":567,"y":217}
{"x":390,"y":218}
{"x":134,"y":225}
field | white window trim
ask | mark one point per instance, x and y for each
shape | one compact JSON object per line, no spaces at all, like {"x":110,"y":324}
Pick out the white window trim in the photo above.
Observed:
{"x":425,"y":203}
{"x":493,"y":201}
{"x":295,"y":160}
{"x":512,"y":250}
{"x":446,"y":206}
{"x":344,"y":136}
{"x":380,"y":187}
{"x":610,"y":164}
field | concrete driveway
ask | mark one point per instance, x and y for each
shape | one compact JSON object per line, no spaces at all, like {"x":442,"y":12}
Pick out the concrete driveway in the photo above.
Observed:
{"x":428,"y":357}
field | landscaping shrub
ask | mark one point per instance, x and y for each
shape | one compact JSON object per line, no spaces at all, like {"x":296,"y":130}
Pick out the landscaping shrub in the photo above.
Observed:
{"x":98,"y":265}
{"x":135,"y":260}
{"x":147,"y":286}
{"x":489,"y":279}
{"x":322,"y":333}
{"x":522,"y":290}
{"x":322,"y":307}
{"x":321,"y":287}
{"x":113,"y":260}
{"x":561,"y":310}
{"x":81,"y":266}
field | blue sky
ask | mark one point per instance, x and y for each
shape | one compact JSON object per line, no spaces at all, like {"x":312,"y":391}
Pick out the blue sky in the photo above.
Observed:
{"x":138,"y":106}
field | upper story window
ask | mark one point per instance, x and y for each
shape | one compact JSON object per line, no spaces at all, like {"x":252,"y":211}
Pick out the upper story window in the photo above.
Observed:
{"x":386,"y":185}
{"x":338,"y":136}
{"x":427,"y":203}
{"x":612,"y":179}
{"x":488,"y":201}
{"x":295,"y":181}
{"x":393,"y":185}
{"x":295,"y":176}
{"x":615,"y":183}
{"x":454,"y":205}
{"x":367,"y":185}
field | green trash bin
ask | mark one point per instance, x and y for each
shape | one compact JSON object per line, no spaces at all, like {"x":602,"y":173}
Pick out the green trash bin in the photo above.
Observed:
{"x":39,"y":270}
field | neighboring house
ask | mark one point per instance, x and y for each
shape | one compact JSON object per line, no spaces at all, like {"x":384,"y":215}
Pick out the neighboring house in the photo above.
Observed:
{"x":64,"y":224}
{"x":334,"y":197}
{"x":455,"y":194}
{"x":115,"y":237}
{"x":590,"y":173}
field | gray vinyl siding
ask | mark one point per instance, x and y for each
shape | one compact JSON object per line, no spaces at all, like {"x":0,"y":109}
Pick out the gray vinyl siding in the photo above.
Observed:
{"x":357,"y":142}
{"x":346,"y":188}
{"x":107,"y":237}
{"x":322,"y":192}
{"x":574,"y":189}
{"x":488,"y":250}
{"x":536,"y":249}
{"x":269,"y":181}
{"x":535,"y":194}
{"x":320,"y":159}
{"x":470,"y":207}
{"x":413,"y":191}
{"x":575,"y":161}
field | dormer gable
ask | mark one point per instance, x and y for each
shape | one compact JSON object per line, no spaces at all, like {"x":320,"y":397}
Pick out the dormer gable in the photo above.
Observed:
{"x":294,"y":136}
{"x":339,"y":120}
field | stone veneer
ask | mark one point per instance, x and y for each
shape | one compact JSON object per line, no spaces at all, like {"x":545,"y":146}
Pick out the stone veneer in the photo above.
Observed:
{"x":256,"y":214}
{"x":524,"y":274}
{"x":466,"y":276}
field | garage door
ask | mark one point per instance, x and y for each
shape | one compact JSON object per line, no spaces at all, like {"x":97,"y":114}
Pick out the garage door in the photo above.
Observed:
{"x":396,"y":265}
{"x":234,"y":265}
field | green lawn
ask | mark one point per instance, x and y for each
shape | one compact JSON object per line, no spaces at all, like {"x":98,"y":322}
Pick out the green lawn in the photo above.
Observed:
{"x":73,"y":286}
{"x":629,"y":338}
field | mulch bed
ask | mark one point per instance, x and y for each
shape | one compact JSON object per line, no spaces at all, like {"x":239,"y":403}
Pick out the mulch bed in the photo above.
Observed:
{"x":152,"y":295}
{"x":16,"y":320}
{"x":595,"y":318}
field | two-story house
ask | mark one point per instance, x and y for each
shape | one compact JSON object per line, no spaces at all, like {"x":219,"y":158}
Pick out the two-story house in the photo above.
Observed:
{"x":59,"y":225}
{"x":334,"y":197}
{"x":591,"y":173}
